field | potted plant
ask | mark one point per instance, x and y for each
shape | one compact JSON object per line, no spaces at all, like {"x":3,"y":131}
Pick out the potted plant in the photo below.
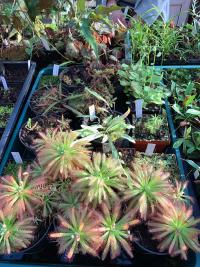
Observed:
{"x":151,"y":129}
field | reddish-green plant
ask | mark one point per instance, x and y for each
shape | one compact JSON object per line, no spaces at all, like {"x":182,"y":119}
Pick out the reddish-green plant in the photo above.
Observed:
{"x":174,"y":228}
{"x":179,"y":193}
{"x":78,"y":232}
{"x":20,"y":194}
{"x":100,"y":180}
{"x":61,"y":153}
{"x":15,"y":234}
{"x":115,"y":232}
{"x":147,"y":188}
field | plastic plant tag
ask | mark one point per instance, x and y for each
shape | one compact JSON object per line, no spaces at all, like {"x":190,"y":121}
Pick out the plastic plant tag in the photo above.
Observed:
{"x":150,"y":149}
{"x":29,"y":64}
{"x":17,"y":157}
{"x":138,"y":108}
{"x":4,"y":83}
{"x":126,"y":11}
{"x":92,"y":112}
{"x":196,"y":174}
{"x":45,"y":43}
{"x":106,"y":148}
{"x":56,"y":70}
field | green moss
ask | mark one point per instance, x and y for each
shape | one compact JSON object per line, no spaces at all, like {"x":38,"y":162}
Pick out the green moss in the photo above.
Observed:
{"x":12,"y":168}
{"x":4,"y":115}
{"x":49,"y":80}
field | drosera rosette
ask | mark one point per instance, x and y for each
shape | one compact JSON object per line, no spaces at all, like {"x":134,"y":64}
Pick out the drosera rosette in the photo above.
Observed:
{"x":78,"y":233}
{"x":147,"y":188}
{"x":175,"y":229}
{"x":115,"y":230}
{"x":101,"y":180}
{"x":15,"y":234}
{"x":20,"y":194}
{"x":61,"y":153}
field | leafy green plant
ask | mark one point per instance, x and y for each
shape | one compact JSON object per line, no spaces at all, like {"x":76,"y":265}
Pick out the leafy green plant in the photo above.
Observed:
{"x":4,"y":115}
{"x":143,"y":82}
{"x":154,"y":123}
{"x":61,"y":153}
{"x":190,"y":142}
{"x":112,"y":129}
{"x":20,"y":194}
{"x":15,"y":234}
{"x":100,"y":180}
{"x":115,"y":232}
{"x":174,"y":228}
{"x":147,"y":189}
{"x":78,"y":233}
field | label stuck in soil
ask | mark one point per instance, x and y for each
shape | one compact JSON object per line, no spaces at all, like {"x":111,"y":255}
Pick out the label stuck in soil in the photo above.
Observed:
{"x":56,"y":70}
{"x":29,"y":64}
{"x":92,"y":112}
{"x":4,"y":83}
{"x":17,"y":157}
{"x":138,"y":108}
{"x":196,"y":174}
{"x":150,"y":149}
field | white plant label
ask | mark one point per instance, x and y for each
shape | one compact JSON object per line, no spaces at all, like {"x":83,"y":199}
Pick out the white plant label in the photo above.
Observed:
{"x":45,"y":43}
{"x":29,"y":64}
{"x":17,"y":157}
{"x":55,"y":70}
{"x":196,"y":174}
{"x":150,"y":149}
{"x":138,"y":108}
{"x":92,"y":112}
{"x":4,"y":83}
{"x":126,"y":11}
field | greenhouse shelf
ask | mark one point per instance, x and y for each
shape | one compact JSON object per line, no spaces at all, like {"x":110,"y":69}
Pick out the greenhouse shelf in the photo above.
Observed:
{"x":22,"y":83}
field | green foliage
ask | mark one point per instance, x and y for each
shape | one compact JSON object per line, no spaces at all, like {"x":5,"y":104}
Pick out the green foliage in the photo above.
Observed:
{"x":154,"y":123}
{"x":190,"y":142}
{"x":115,"y":230}
{"x":15,"y":234}
{"x":100,"y":181}
{"x":4,"y":115}
{"x":112,"y":129}
{"x":143,"y":82}
{"x":175,"y":230}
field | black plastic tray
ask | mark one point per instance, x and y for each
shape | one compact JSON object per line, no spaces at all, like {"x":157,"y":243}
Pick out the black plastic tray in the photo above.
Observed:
{"x":12,"y":70}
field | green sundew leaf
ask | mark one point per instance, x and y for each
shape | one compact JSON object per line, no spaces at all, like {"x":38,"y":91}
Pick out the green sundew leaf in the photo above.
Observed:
{"x":98,"y":96}
{"x":105,"y":11}
{"x":178,"y":143}
{"x":193,"y":164}
{"x":193,"y":112}
{"x":129,"y":138}
{"x":191,"y":150}
{"x":74,"y":110}
{"x":85,"y":29}
{"x":81,"y":6}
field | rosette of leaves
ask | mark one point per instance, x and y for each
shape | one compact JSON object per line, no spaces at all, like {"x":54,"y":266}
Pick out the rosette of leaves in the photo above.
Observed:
{"x":20,"y":194}
{"x":147,"y":189}
{"x":61,"y":153}
{"x":100,"y":180}
{"x":143,"y":82}
{"x":115,"y":232}
{"x":15,"y":234}
{"x":78,"y":232}
{"x":112,"y":129}
{"x":175,"y":229}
